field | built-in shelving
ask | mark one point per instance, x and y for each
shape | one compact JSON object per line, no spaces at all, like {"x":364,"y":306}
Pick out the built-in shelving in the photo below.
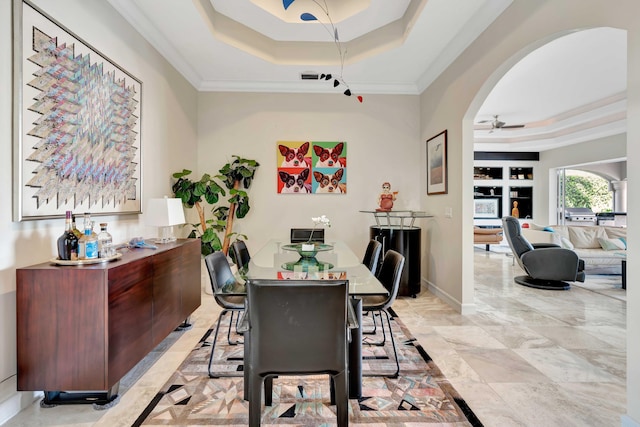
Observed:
{"x":501,"y":186}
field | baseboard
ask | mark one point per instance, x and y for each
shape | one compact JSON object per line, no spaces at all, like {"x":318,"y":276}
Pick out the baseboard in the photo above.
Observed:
{"x":12,"y":401}
{"x":463,"y":309}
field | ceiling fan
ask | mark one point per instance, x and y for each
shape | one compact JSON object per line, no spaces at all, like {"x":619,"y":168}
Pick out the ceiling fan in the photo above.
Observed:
{"x":498,"y":124}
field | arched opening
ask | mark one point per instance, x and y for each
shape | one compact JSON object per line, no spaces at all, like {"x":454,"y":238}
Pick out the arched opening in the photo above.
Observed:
{"x":543,"y":132}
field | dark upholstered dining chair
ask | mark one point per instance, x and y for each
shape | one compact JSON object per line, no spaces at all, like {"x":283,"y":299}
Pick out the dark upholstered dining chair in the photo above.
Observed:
{"x":220,"y":274}
{"x":389,"y":275}
{"x":240,"y":253}
{"x":372,"y":255}
{"x":547,"y":266}
{"x":301,"y":235}
{"x":295,"y":327}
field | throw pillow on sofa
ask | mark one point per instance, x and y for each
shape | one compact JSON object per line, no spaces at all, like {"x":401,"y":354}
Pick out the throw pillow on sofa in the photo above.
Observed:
{"x":561,"y":241}
{"x":612,"y":244}
{"x":613,"y":232}
{"x":566,"y":243}
{"x":586,"y":237}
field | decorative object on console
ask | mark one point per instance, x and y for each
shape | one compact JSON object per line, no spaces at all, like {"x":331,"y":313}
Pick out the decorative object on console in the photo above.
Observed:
{"x":76,"y":126}
{"x":237,"y":177}
{"x":333,"y":33}
{"x":386,"y":198}
{"x":165,"y":213}
{"x":437,"y":164}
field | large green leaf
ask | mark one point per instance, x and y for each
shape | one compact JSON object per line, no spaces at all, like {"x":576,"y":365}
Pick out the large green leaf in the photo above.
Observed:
{"x":184,"y":172}
{"x":243,"y":208}
{"x":200,"y":189}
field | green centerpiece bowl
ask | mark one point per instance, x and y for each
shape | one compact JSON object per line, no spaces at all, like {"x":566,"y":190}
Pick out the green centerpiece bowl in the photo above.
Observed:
{"x":308,"y":260}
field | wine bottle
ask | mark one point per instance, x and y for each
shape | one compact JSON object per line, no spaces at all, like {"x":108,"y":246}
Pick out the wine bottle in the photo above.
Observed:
{"x":68,"y":242}
{"x":77,"y":232}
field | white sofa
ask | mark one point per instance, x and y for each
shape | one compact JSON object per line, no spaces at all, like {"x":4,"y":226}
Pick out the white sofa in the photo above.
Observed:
{"x":601,"y":247}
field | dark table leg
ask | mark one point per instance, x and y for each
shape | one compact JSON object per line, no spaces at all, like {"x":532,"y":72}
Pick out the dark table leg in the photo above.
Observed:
{"x":624,"y":274}
{"x":355,"y":353}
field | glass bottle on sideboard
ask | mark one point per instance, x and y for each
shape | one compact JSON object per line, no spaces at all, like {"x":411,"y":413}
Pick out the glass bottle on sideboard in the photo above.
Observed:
{"x":77,"y":232}
{"x":88,"y":243}
{"x":105,"y":242}
{"x":68,"y":242}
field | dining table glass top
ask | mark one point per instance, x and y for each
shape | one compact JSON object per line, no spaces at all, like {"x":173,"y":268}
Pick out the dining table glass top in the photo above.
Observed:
{"x":272,"y":261}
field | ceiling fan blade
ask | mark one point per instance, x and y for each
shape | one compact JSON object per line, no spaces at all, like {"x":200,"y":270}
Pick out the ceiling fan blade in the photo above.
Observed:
{"x":512,"y":126}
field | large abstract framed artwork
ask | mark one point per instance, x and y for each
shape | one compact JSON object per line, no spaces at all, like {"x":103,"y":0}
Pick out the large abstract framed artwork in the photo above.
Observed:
{"x":77,"y":114}
{"x":437,"y":164}
{"x":310,"y":167}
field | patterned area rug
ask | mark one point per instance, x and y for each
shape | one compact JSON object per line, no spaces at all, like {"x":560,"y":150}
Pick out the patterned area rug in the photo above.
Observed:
{"x":419,"y":396}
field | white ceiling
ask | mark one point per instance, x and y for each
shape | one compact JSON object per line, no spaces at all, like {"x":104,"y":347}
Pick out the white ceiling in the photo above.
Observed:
{"x":570,"y":90}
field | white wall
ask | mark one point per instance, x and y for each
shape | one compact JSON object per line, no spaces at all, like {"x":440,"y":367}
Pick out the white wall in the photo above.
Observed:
{"x":382,"y":136}
{"x":452,"y":102}
{"x":168,"y":142}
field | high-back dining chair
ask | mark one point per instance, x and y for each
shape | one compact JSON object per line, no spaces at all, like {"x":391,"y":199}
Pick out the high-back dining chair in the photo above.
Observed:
{"x":372,"y":255}
{"x":220,"y":274}
{"x":389,"y":275}
{"x":301,"y":235}
{"x":295,"y":327}
{"x":240,"y":253}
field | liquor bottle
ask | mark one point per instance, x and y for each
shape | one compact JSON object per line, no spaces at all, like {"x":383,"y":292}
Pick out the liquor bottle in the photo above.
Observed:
{"x":77,"y":232}
{"x":68,"y":242}
{"x":88,"y":244}
{"x":105,"y":242}
{"x":93,"y":232}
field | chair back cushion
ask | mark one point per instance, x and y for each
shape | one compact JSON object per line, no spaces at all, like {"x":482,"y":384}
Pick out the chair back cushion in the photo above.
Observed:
{"x":519,"y":245}
{"x":297,"y":326}
{"x":240,"y":253}
{"x":372,"y":255}
{"x":301,"y":235}
{"x":390,"y":273}
{"x":219,"y":270}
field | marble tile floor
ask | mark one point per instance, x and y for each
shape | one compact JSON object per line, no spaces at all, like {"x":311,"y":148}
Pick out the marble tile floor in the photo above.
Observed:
{"x":527,"y":357}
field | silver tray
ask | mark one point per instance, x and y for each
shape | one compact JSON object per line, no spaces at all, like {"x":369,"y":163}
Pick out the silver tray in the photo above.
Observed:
{"x":85,"y":261}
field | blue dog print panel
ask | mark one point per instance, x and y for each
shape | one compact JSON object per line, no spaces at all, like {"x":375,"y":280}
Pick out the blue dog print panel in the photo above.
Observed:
{"x":329,"y":180}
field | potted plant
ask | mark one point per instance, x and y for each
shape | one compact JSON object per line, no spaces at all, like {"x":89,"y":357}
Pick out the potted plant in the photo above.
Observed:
{"x":236,"y":177}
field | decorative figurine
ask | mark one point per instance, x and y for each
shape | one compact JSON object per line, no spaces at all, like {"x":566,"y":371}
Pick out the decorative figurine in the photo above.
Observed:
{"x":515,"y":212}
{"x":386,"y":198}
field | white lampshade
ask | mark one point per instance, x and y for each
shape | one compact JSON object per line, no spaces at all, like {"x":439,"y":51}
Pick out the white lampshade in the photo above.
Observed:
{"x":165,"y":213}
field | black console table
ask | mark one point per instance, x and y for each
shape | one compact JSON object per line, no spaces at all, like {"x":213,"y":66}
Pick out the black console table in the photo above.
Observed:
{"x":396,"y":230}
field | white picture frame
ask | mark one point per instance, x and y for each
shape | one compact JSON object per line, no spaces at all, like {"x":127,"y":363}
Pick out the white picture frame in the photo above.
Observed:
{"x":486,"y":208}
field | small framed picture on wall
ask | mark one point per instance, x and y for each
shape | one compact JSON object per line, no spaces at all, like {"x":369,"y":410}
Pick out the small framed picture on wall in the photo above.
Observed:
{"x":437,"y":164}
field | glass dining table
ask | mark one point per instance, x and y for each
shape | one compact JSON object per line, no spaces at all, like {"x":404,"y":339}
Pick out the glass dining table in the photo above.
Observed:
{"x":277,"y":261}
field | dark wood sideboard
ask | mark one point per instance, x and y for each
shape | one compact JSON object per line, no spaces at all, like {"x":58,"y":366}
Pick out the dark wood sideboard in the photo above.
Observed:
{"x":82,"y":328}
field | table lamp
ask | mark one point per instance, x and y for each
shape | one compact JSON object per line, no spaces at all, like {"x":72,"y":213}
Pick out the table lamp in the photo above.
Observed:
{"x":165,"y":213}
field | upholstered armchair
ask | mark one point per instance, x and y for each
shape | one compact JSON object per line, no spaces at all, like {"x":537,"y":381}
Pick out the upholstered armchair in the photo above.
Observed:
{"x":547,"y":267}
